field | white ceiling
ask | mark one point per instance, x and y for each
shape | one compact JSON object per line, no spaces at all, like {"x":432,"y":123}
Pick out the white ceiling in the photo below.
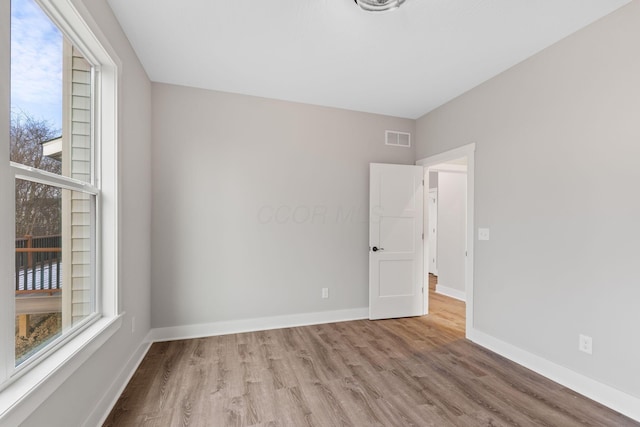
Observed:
{"x":328,"y":52}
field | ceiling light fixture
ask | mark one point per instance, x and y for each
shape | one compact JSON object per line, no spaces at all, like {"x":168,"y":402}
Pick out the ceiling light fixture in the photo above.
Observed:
{"x":379,"y":5}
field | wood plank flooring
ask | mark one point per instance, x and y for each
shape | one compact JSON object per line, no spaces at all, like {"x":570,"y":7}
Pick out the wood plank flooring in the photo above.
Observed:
{"x":405,"y":372}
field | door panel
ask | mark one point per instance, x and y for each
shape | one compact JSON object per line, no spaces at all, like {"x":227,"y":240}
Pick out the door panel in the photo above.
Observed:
{"x":395,"y":241}
{"x":396,"y":278}
{"x":398,"y":234}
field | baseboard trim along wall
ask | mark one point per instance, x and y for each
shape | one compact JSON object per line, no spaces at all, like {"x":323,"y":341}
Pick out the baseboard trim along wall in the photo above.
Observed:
{"x":258,"y":324}
{"x":451,"y":292}
{"x":601,"y":393}
{"x":114,"y":391}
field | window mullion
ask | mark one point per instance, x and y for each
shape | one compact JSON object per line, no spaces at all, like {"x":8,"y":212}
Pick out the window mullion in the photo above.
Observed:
{"x":48,"y":178}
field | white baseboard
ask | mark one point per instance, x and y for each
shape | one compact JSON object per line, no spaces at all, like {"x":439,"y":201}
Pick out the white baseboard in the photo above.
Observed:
{"x":613,"y":398}
{"x":257,"y":324}
{"x":451,"y":292}
{"x":102,"y":410}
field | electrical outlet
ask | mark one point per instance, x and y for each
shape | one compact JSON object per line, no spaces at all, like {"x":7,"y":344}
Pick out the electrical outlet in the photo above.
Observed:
{"x":133,"y":324}
{"x":483,"y":234}
{"x":325,"y":292}
{"x":586,"y":344}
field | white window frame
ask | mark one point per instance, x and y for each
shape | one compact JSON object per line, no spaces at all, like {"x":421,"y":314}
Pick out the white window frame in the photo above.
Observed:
{"x":22,"y":390}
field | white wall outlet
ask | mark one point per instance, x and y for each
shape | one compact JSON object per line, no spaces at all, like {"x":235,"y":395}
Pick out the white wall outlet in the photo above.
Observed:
{"x":325,"y":292}
{"x":133,"y":324}
{"x":483,"y":234}
{"x":586,"y":344}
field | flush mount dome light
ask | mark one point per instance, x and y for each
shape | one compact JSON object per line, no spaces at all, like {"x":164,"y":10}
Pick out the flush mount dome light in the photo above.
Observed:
{"x":379,"y":5}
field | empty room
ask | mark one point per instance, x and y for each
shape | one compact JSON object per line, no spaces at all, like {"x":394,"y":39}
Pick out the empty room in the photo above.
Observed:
{"x":319,"y":213}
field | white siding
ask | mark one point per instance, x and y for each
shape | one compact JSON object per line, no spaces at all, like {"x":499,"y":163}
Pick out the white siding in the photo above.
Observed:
{"x":77,"y":164}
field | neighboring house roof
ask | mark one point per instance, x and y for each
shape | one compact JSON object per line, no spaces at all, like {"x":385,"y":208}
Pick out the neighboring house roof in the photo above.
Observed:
{"x":53,"y":148}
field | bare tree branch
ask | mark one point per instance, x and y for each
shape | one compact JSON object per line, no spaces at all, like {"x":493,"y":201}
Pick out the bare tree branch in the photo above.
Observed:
{"x":38,"y":206}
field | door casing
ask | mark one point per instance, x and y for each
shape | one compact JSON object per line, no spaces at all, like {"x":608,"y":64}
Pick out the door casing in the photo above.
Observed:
{"x":467,"y":151}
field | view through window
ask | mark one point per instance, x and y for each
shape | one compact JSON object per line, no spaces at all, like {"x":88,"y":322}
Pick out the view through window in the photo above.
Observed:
{"x":55,"y":199}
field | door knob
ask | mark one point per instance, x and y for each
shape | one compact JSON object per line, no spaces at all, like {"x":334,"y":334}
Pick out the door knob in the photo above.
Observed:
{"x":376,"y":249}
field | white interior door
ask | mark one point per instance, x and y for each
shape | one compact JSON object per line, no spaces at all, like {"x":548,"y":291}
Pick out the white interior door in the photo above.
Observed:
{"x":395,"y":241}
{"x":432,"y":235}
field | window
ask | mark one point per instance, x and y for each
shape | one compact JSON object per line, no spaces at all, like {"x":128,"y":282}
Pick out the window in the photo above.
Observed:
{"x":58,"y":204}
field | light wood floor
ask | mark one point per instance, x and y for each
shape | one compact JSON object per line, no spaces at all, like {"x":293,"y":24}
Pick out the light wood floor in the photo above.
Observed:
{"x":405,"y":372}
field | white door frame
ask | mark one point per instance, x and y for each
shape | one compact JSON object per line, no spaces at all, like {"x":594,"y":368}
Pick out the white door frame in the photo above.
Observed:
{"x":467,"y":151}
{"x":432,"y":192}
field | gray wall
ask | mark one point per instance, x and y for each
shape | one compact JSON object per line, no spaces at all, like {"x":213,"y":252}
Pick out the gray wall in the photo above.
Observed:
{"x":258,"y":204}
{"x":75,"y":400}
{"x":452,"y":230}
{"x":558,"y":143}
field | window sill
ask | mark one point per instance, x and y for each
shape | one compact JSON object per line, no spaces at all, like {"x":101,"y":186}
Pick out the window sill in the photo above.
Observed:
{"x":19,"y":399}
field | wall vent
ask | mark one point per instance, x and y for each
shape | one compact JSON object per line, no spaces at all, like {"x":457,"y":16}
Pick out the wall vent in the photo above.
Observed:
{"x":398,"y":139}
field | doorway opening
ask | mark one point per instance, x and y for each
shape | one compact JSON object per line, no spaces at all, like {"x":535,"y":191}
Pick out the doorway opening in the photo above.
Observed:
{"x":448,"y":238}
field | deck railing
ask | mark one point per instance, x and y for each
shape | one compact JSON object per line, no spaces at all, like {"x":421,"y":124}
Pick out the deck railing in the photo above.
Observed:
{"x":38,"y":261}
